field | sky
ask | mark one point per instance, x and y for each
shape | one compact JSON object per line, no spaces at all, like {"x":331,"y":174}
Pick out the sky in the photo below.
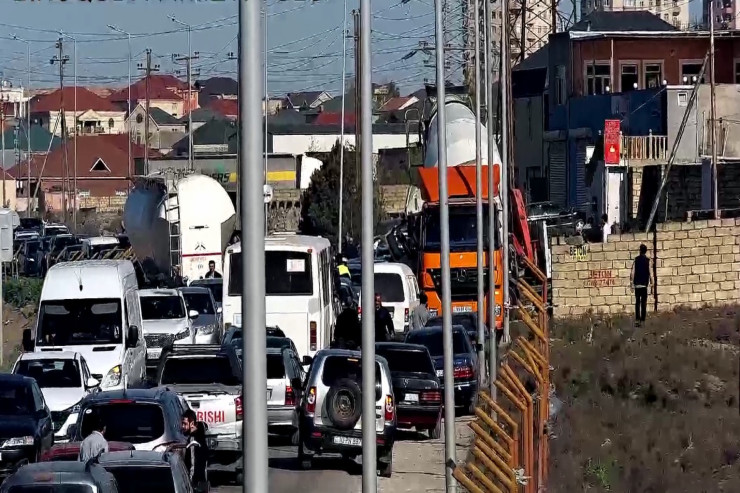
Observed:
{"x":304,"y":38}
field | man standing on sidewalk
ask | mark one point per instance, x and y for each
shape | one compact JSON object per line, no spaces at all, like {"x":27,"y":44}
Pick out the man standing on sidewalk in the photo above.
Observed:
{"x":640,"y":279}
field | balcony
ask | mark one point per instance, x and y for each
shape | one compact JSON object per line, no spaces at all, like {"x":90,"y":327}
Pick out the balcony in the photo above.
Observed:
{"x":644,"y":149}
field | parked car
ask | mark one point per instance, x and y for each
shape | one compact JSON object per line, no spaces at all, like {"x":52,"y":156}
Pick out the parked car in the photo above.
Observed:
{"x":57,"y":243}
{"x":142,"y":471}
{"x":25,"y":423}
{"x":66,"y":477}
{"x":151,"y":419}
{"x":71,"y":450}
{"x":330,"y":411}
{"x":416,"y":386}
{"x":208,"y":326}
{"x":469,"y":320}
{"x":215,"y":285}
{"x":30,"y":258}
{"x":51,"y":229}
{"x":166,"y":322}
{"x":465,"y":361}
{"x":64,"y":379}
{"x":285,"y":377}
{"x":209,"y":379}
{"x":233,"y":336}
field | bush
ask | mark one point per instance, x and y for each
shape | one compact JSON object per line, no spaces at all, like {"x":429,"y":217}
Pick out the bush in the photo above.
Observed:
{"x":22,"y":292}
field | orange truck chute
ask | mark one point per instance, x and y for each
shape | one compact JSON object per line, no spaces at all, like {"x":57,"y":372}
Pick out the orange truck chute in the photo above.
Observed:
{"x":460,"y":182}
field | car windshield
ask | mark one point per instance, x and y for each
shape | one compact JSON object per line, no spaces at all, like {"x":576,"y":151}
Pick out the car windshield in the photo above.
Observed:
{"x":126,"y":421}
{"x":467,"y":321}
{"x":198,"y":370}
{"x":55,"y":230}
{"x":433,"y":341}
{"x":275,"y":367}
{"x":200,"y":302}
{"x":277,"y":342}
{"x":286,"y":274}
{"x":390,"y":287}
{"x":406,"y":361}
{"x":132,"y":478}
{"x":62,"y":241}
{"x":217,"y":289}
{"x":162,"y":307}
{"x":462,"y":228}
{"x":16,"y":399}
{"x":52,"y":488}
{"x":51,"y":373}
{"x":79,"y":322}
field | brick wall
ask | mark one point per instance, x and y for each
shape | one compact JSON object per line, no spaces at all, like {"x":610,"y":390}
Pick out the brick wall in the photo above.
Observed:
{"x":696,"y":263}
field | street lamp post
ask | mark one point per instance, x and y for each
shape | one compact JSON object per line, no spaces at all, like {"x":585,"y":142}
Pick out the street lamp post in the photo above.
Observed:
{"x":190,"y":88}
{"x":28,"y":121}
{"x":341,"y":132}
{"x":128,"y":106}
{"x":74,"y":198}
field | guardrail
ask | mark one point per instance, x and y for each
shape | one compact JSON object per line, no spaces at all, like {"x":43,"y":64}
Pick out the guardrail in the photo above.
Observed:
{"x":510,"y":452}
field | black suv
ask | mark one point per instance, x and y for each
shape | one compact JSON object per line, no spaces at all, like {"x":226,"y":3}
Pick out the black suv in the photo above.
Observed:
{"x":26,"y":429}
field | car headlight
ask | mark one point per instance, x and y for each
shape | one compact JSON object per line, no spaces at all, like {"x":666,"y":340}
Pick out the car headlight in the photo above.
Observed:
{"x":207,"y":329}
{"x":18,"y":442}
{"x":182,"y":334}
{"x":113,"y":378}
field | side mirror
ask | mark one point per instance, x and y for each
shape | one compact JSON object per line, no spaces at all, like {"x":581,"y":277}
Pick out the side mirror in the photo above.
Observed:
{"x":193,"y":314}
{"x":378,"y":390}
{"x":219,"y":310}
{"x":307,"y":360}
{"x":27,"y":341}
{"x":92,"y":383}
{"x":132,"y":337}
{"x":296,"y":383}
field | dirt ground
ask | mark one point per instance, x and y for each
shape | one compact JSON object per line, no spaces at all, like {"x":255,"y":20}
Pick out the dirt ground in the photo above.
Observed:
{"x":647,"y":410}
{"x":13,"y":324}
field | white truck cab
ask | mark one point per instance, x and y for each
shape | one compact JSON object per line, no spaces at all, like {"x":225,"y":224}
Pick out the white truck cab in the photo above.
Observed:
{"x":92,"y":308}
{"x":167,"y":322}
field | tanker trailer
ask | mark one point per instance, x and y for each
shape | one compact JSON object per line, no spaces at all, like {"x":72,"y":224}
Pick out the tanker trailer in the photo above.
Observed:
{"x":179,"y":221}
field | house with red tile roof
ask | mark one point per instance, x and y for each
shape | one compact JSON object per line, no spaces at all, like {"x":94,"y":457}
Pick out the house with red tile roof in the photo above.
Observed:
{"x":166,"y":92}
{"x":94,"y":114}
{"x":398,"y":104}
{"x":228,"y":108}
{"x":102,"y":168}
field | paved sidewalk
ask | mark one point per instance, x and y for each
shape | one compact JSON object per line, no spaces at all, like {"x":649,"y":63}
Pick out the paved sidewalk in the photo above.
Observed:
{"x":418,"y":462}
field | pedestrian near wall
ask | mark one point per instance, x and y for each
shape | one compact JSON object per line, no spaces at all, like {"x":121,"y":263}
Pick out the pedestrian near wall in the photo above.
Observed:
{"x":640,"y":281}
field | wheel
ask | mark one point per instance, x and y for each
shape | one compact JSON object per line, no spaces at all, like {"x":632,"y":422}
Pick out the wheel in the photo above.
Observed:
{"x":385,"y":466}
{"x":436,"y":432}
{"x":344,"y":403}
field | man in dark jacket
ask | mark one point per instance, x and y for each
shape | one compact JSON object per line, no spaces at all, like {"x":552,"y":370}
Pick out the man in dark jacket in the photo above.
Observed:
{"x":348,"y":331}
{"x":196,"y":451}
{"x":383,"y":321}
{"x":640,"y":279}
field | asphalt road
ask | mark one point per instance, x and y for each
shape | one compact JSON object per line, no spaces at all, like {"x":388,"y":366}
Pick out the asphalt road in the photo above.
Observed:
{"x":328,"y":475}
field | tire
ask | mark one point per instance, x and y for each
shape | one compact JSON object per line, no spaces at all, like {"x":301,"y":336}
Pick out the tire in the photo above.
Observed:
{"x":385,"y":466}
{"x":344,"y":403}
{"x":436,"y":432}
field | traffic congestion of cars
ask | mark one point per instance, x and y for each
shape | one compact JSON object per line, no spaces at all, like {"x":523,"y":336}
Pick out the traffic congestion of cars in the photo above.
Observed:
{"x":137,"y":359}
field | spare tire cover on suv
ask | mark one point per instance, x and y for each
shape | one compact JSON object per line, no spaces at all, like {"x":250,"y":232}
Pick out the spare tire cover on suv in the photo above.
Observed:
{"x":344,"y":403}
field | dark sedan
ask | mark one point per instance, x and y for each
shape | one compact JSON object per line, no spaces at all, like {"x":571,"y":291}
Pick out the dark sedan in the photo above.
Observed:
{"x":469,"y":320}
{"x":415,"y":386}
{"x":25,"y":423}
{"x":465,"y":361}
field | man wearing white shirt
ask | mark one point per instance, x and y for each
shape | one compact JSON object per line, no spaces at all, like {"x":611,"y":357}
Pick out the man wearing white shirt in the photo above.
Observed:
{"x":605,"y":228}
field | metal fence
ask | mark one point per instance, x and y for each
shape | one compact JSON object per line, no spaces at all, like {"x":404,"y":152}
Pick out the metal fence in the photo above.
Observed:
{"x":510,"y":450}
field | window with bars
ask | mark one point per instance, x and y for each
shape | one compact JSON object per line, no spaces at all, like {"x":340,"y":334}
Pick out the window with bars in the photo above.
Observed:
{"x":598,"y":78}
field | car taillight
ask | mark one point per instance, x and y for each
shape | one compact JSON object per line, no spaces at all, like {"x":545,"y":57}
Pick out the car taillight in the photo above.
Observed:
{"x":239,"y":408}
{"x":312,"y":335}
{"x":359,"y":310}
{"x":463,"y":372}
{"x":311,"y":400}
{"x":388,"y":408}
{"x":289,"y":396}
{"x":431,"y":396}
{"x":405,"y":315}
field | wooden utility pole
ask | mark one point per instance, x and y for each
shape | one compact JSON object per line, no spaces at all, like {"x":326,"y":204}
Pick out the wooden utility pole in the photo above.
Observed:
{"x":713,"y":113}
{"x":61,"y":59}
{"x":148,"y":69}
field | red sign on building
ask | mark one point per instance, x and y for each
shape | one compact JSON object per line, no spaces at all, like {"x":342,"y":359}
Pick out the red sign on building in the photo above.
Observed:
{"x":612,"y":142}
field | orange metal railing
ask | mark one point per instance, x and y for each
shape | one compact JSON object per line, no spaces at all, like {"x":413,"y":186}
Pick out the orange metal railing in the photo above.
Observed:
{"x":510,"y":452}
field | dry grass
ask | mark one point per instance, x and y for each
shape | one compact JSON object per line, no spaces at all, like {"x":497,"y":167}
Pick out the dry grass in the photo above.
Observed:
{"x":647,"y":410}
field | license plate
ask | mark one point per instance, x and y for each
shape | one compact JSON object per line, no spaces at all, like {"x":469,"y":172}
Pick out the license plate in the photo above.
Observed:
{"x":348,"y":441}
{"x":411,"y":397}
{"x":462,"y":309}
{"x":440,"y":373}
{"x":154,"y":353}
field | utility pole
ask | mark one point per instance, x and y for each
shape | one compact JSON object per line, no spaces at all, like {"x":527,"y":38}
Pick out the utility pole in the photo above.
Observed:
{"x":128,"y":103}
{"x":341,"y":132}
{"x":504,"y":82}
{"x":148,"y":69}
{"x":189,"y":74}
{"x":62,"y":59}
{"x":479,"y":196}
{"x":74,"y":195}
{"x":713,"y":112}
{"x":267,"y":107}
{"x":28,"y":120}
{"x":358,"y":71}
{"x":364,"y":87}
{"x":254,"y":369}
{"x":3,"y":100}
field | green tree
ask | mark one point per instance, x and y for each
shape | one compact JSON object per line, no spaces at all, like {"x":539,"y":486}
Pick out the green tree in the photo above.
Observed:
{"x":320,"y":201}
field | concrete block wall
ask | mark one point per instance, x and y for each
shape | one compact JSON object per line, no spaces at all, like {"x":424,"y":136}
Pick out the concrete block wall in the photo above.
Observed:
{"x":695,"y":264}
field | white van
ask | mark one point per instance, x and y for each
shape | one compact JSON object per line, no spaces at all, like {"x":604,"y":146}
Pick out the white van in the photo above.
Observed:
{"x":92,"y":308}
{"x":399,"y":290}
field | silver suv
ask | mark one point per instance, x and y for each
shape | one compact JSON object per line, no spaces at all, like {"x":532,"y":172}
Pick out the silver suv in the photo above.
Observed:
{"x":330,"y":412}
